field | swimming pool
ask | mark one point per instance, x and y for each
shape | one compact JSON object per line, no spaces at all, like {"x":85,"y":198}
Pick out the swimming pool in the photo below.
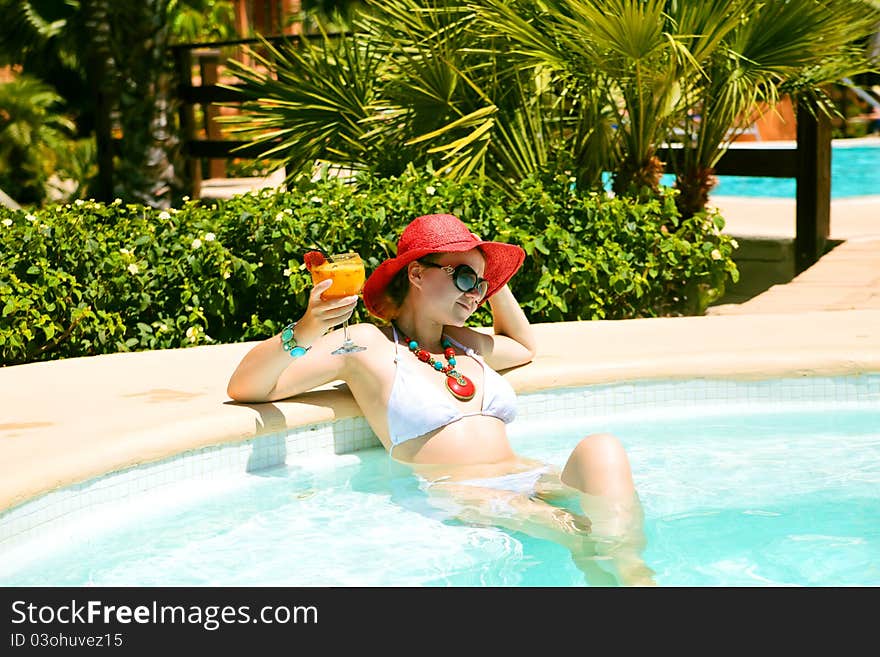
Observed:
{"x":855,"y":171}
{"x":743,"y":483}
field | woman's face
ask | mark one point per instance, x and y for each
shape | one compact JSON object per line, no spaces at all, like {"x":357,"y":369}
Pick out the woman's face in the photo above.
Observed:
{"x":439,"y":296}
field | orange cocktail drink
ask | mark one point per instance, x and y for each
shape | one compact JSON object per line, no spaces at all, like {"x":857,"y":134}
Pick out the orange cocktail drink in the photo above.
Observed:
{"x":347,"y":272}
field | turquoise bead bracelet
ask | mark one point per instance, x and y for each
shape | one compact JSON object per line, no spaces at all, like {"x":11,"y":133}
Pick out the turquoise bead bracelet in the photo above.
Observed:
{"x":288,"y":342}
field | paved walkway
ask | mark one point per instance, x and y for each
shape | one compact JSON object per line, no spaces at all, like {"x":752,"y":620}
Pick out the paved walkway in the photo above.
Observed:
{"x":846,"y":278}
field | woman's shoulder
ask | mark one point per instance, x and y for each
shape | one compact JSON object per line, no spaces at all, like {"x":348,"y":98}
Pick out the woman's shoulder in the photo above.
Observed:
{"x":379,"y":349}
{"x":366,"y":332}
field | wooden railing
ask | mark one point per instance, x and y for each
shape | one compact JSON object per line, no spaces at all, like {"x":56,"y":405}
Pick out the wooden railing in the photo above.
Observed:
{"x":212,"y":147}
{"x":809,"y":163}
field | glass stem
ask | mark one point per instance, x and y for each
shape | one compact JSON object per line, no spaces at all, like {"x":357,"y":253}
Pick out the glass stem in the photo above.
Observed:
{"x":347,"y":340}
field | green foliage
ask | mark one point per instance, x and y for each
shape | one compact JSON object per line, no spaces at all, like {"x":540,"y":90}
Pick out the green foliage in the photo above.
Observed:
{"x":90,"y":278}
{"x":33,"y":137}
{"x":202,"y":20}
{"x":773,"y":50}
{"x":595,"y":257}
{"x":507,"y":89}
{"x":421,"y":83}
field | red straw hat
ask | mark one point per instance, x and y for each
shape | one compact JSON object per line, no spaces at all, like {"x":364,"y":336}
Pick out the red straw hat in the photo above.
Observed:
{"x":440,"y":233}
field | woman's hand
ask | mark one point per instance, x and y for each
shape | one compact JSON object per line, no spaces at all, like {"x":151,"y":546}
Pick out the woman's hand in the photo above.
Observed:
{"x":266,"y":374}
{"x":323,"y":314}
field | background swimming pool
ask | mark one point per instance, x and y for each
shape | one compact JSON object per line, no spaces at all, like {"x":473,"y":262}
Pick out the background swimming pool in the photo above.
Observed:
{"x":855,"y":171}
{"x":784,"y":495}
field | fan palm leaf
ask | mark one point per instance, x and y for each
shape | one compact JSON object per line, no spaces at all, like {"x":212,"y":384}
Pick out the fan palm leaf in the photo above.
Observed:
{"x":775,"y":48}
{"x":310,"y":101}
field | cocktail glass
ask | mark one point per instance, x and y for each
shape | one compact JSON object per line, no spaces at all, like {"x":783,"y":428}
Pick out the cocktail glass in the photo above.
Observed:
{"x":347,"y":272}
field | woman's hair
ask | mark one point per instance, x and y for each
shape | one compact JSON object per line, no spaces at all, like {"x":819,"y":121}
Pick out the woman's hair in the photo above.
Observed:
{"x":398,"y":286}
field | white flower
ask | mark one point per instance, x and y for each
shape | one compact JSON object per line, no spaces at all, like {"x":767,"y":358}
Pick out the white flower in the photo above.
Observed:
{"x":287,"y":272}
{"x":30,"y":217}
{"x":185,"y":199}
{"x":196,"y":243}
{"x":734,"y":244}
{"x":124,"y":251}
{"x":226,"y":275}
{"x":279,"y":216}
{"x":716,"y":254}
{"x":164,"y":215}
{"x":209,"y":237}
{"x":163,"y":328}
{"x":316,"y":199}
{"x":79,"y":201}
{"x":288,"y":211}
{"x":192,"y":333}
{"x":429,"y":190}
{"x":117,"y":201}
{"x":7,"y":222}
{"x":133,"y":268}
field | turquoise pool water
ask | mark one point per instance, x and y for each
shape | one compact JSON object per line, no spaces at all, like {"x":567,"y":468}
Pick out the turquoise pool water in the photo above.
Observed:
{"x":786,"y":496}
{"x":855,"y":171}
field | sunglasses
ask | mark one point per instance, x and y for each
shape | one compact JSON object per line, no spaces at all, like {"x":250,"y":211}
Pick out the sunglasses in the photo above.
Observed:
{"x":464,"y":278}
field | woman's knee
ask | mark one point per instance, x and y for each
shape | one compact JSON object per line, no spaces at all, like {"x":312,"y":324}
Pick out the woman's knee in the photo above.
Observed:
{"x":604,"y":449}
{"x":597,"y":465}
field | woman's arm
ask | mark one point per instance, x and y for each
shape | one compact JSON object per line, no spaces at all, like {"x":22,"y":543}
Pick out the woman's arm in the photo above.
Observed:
{"x":513,"y":342}
{"x":267,"y":372}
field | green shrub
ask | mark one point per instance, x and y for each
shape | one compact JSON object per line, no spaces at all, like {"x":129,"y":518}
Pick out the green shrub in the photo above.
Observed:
{"x":90,"y":278}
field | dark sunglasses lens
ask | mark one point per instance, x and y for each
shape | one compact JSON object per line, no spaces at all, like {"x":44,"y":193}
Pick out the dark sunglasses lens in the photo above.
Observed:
{"x":465,"y":278}
{"x":466,"y":281}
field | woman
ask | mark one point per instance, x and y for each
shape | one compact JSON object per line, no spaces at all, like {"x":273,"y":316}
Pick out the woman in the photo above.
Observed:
{"x":429,"y":388}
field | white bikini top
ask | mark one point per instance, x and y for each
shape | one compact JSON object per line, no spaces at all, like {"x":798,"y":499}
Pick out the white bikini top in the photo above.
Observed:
{"x":415,"y":409}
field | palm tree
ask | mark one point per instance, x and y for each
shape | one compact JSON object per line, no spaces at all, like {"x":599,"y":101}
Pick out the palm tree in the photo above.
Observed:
{"x":508,"y":88}
{"x":637,"y":57}
{"x":415,"y":83}
{"x":775,"y":48}
{"x":45,"y":37}
{"x":32,"y":134}
{"x":108,"y":60}
{"x":141,"y":75}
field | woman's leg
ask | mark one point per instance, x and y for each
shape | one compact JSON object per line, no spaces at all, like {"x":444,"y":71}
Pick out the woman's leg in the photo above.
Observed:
{"x":599,"y":469}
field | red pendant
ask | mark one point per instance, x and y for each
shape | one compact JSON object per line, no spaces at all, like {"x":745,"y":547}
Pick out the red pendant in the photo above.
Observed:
{"x":461,"y":388}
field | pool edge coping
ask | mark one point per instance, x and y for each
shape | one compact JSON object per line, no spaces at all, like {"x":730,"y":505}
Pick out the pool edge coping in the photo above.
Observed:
{"x":728,"y":353}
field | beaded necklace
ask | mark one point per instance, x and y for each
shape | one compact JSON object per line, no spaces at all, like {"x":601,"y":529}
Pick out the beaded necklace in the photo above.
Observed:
{"x":457,"y":383}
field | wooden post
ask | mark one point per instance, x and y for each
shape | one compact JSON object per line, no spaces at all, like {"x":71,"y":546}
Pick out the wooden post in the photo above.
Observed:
{"x":813,"y":187}
{"x":209,"y":62}
{"x":183,"y":65}
{"x":242,"y":25}
{"x":243,"y":29}
{"x":259,"y":17}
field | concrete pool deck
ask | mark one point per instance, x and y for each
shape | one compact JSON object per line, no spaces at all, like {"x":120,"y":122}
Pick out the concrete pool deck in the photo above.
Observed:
{"x":845,"y":278}
{"x":68,"y":421}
